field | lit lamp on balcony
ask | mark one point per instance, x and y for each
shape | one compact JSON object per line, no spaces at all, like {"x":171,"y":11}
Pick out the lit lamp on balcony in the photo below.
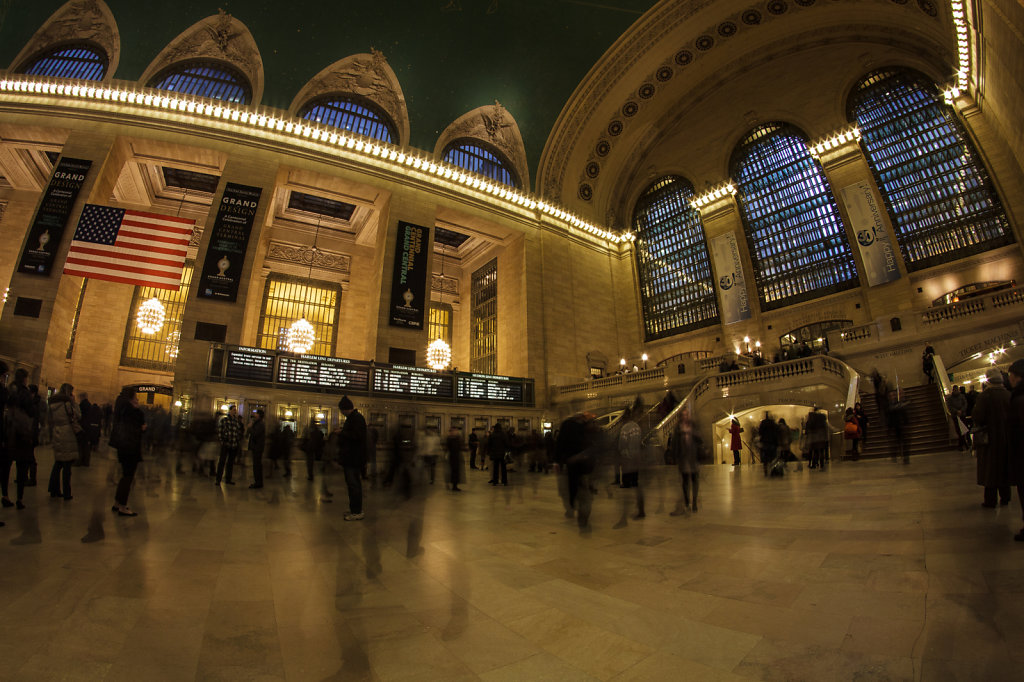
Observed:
{"x":622,"y":365}
{"x":150,"y":318}
{"x":746,"y":345}
{"x":644,"y":358}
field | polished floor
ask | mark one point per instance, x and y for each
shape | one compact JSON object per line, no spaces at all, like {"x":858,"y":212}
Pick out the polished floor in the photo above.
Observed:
{"x":868,"y":571}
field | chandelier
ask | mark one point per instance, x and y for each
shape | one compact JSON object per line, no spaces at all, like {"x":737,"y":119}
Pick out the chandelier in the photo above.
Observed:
{"x":301,"y":336}
{"x":150,"y":318}
{"x":439,"y":354}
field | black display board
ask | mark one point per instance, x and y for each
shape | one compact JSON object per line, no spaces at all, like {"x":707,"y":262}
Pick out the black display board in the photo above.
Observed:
{"x":52,"y":216}
{"x":225,"y":255}
{"x":413,"y":381}
{"x":330,"y":374}
{"x":249,"y":364}
{"x":489,"y":388}
{"x":409,"y":280}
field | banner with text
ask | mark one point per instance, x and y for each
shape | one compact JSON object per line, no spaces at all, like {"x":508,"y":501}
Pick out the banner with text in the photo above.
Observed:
{"x":409,"y":282}
{"x":876,"y":250}
{"x":225,"y":256}
{"x":734,"y":306}
{"x":52,"y":216}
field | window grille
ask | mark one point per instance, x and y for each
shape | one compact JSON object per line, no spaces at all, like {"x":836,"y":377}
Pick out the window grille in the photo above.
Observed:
{"x":205,"y":79}
{"x":477,"y":158}
{"x":940,"y":198}
{"x":286,"y":299}
{"x":794,"y":232}
{"x":70,"y":61}
{"x":484,"y":343}
{"x":677,"y":290}
{"x":157,"y":351}
{"x":352,"y":114}
{"x":439,"y":323}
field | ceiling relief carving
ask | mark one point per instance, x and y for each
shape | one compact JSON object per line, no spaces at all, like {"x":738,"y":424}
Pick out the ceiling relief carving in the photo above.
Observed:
{"x":219,"y":38}
{"x":704,"y":42}
{"x":78,"y":21}
{"x":495,"y":126}
{"x":365,"y":75}
{"x":309,"y":255}
{"x":444,"y":285}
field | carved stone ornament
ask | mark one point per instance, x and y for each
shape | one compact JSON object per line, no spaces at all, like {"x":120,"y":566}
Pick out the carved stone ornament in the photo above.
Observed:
{"x":88,"y":21}
{"x":197,"y":236}
{"x":306,"y":255}
{"x":444,"y":285}
{"x":495,"y":126}
{"x":219,"y":38}
{"x":365,"y":75}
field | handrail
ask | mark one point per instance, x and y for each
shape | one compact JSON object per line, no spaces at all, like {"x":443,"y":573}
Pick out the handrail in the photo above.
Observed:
{"x":614,"y":380}
{"x":973,"y":306}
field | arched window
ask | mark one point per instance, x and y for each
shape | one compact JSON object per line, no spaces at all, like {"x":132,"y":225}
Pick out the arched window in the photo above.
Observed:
{"x":676,"y":287}
{"x":217,"y":80}
{"x":160,"y":350}
{"x":794,"y":231}
{"x":942,"y":204}
{"x":477,"y":157}
{"x":286,"y":299}
{"x":354,"y":114}
{"x":70,"y":61}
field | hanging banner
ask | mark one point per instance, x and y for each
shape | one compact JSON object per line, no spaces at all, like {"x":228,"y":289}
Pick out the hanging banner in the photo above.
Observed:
{"x":876,"y":251}
{"x":222,"y":269}
{"x":52,"y":216}
{"x":409,"y":281}
{"x":733,"y":304}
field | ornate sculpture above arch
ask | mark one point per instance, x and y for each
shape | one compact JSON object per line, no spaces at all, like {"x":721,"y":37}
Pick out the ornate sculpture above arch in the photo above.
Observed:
{"x":77,"y":21}
{"x":368,"y":76}
{"x":495,"y":127}
{"x":220,"y":37}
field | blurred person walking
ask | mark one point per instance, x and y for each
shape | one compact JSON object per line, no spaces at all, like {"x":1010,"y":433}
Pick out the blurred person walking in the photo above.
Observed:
{"x":990,"y":446}
{"x":129,"y":422}
{"x":65,"y":419}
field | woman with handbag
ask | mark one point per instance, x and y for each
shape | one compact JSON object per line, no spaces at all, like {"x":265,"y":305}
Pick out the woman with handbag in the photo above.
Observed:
{"x":66,"y":433}
{"x":990,"y":412}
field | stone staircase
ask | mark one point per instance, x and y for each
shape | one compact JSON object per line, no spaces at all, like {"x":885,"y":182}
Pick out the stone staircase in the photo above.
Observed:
{"x":927,"y":429}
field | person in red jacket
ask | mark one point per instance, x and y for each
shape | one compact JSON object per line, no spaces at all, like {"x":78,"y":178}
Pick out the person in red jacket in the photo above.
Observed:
{"x":736,"y":445}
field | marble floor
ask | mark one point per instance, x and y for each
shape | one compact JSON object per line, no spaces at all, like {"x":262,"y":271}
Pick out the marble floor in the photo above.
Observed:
{"x":869,"y":571}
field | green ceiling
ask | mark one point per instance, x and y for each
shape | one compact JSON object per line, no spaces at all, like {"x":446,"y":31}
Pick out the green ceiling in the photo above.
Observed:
{"x":450,"y":56}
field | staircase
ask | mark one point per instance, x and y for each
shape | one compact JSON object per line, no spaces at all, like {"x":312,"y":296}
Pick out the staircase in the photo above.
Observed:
{"x":927,"y":429}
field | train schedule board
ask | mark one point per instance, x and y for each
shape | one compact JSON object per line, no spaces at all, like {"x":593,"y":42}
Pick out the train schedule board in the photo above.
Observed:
{"x":249,"y":364}
{"x":489,"y":387}
{"x":332,"y":374}
{"x":412,"y":381}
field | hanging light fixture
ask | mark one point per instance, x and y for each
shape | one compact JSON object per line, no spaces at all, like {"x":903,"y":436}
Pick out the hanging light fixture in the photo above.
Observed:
{"x":439,"y":353}
{"x":301,"y":335}
{"x":151,"y":315}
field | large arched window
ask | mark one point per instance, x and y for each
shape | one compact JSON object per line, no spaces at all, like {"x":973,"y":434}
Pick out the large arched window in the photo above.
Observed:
{"x":942,"y":203}
{"x":357,"y":115}
{"x":676,"y":287}
{"x":477,"y":157}
{"x":217,"y":80}
{"x":793,"y":228}
{"x":70,"y":61}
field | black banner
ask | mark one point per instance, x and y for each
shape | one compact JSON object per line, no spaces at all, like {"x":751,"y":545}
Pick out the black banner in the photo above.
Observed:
{"x":225,"y":256}
{"x":52,"y":216}
{"x":409,"y":281}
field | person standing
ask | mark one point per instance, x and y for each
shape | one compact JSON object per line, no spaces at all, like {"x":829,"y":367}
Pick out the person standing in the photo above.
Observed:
{"x":313,"y":446}
{"x":65,"y":421}
{"x":352,"y":453}
{"x":474,"y":441}
{"x":129,"y":421}
{"x":990,"y":413}
{"x":453,"y":444}
{"x":816,"y":430}
{"x":862,"y":422}
{"x":20,"y":424}
{"x":630,"y":449}
{"x":735,"y":443}
{"x":956,"y":403}
{"x":429,"y":449}
{"x":686,"y":445}
{"x":1015,"y":434}
{"x":769,"y":433}
{"x":229,"y":432}
{"x":85,"y":451}
{"x":851,"y":431}
{"x":257,"y":442}
{"x":897,"y":419}
{"x":497,"y":446}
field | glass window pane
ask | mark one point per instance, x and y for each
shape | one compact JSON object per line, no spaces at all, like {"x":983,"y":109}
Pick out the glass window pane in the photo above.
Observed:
{"x":941,"y":201}
{"x":355,"y":115}
{"x":676,"y":286}
{"x":157,"y":351}
{"x":483,"y":356}
{"x":70,"y":61}
{"x":439,"y":324}
{"x":205,"y":79}
{"x":794,"y":232}
{"x":476,"y":158}
{"x":286,"y":299}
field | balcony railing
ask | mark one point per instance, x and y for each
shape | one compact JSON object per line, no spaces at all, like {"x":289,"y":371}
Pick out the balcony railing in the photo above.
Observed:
{"x":964,"y":309}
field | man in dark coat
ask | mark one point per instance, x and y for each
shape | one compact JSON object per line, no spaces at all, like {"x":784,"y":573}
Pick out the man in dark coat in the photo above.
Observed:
{"x":768,"y":430}
{"x":257,"y":442}
{"x":1015,"y":435}
{"x":352,"y":453}
{"x":990,"y":438}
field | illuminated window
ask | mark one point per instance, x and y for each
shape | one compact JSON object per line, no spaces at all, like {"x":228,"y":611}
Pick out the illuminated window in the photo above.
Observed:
{"x":676,"y":287}
{"x":157,"y":351}
{"x":353,"y":114}
{"x":477,"y":157}
{"x":286,"y":299}
{"x":217,"y":80}
{"x":794,"y":232}
{"x":815,"y":336}
{"x":483,"y":356}
{"x":941,"y":201}
{"x":70,"y":61}
{"x":439,"y":325}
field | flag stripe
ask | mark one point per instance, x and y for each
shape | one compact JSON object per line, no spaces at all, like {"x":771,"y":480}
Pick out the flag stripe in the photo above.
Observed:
{"x":98,"y":258}
{"x":157,"y":217}
{"x":119,"y":267}
{"x":130,"y":250}
{"x":128,"y":233}
{"x":166,"y":229}
{"x":156,"y":284}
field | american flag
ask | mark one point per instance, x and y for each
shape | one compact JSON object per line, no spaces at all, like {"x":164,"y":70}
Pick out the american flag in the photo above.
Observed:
{"x":132,"y":247}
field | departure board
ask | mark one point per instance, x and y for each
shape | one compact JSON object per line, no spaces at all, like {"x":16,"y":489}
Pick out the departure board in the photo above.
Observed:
{"x":487,"y":387}
{"x":412,"y":381}
{"x":332,"y":374}
{"x":249,"y":364}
